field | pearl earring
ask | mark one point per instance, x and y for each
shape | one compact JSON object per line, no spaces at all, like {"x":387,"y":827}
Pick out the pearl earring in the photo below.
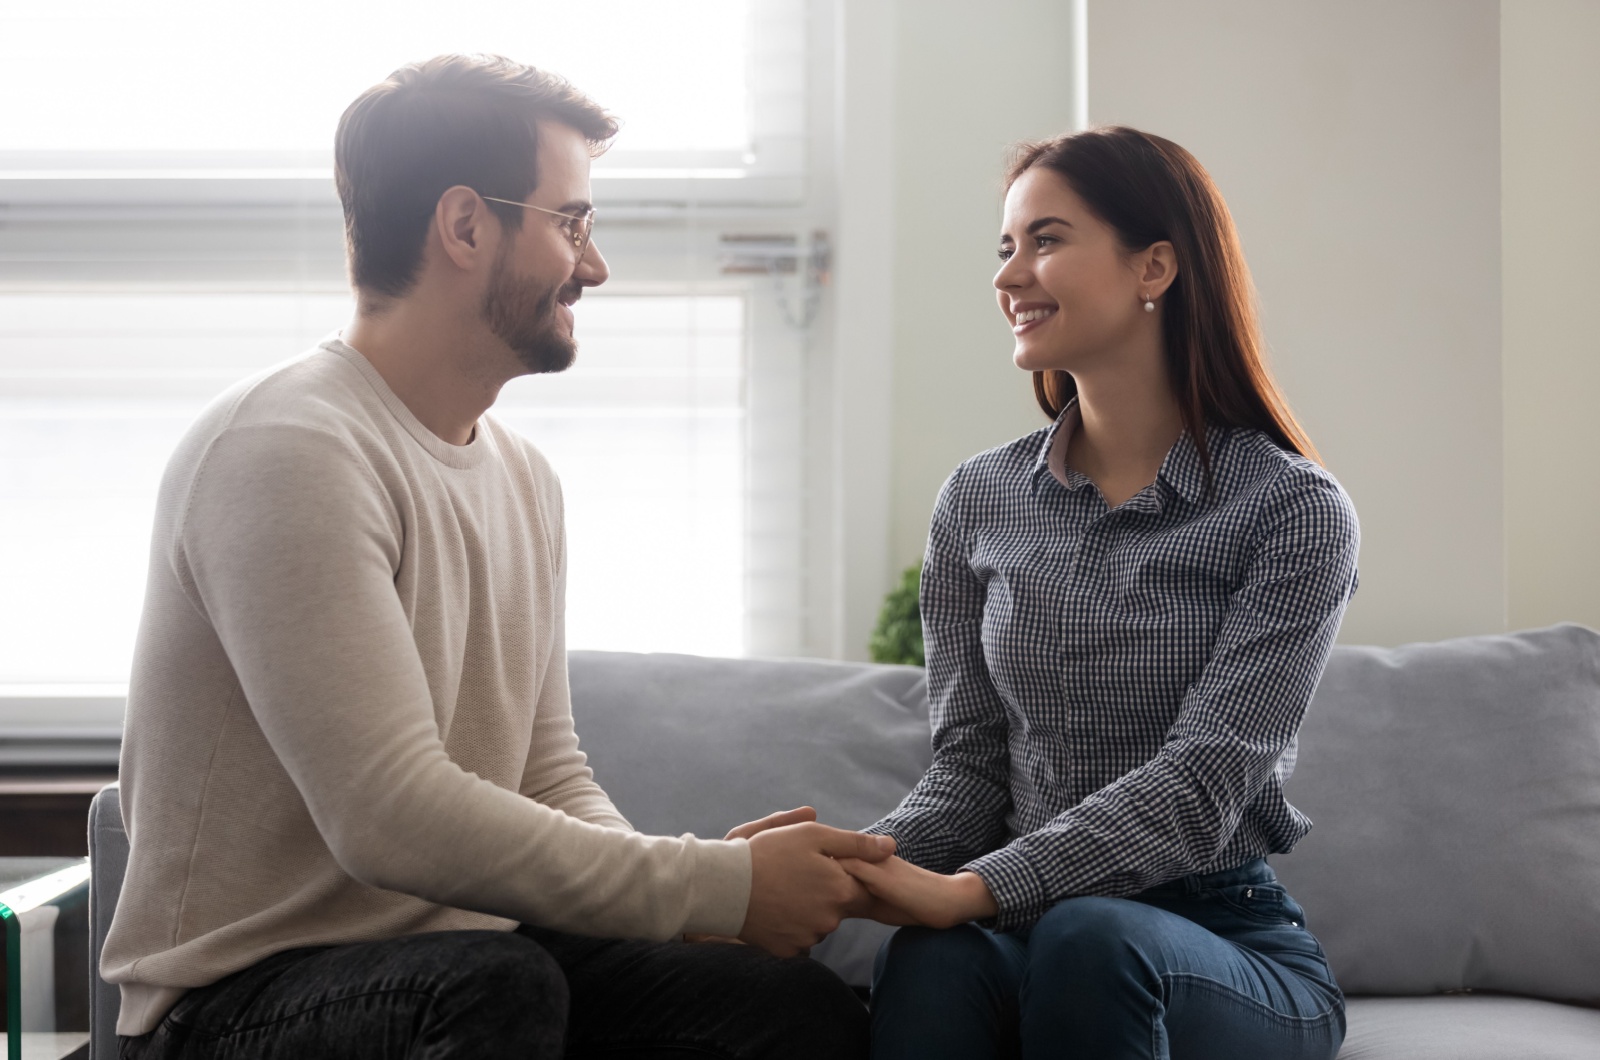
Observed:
{"x":1149,"y":306}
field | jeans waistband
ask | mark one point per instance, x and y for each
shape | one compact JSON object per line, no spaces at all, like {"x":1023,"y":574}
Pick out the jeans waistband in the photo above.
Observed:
{"x":1255,"y":872}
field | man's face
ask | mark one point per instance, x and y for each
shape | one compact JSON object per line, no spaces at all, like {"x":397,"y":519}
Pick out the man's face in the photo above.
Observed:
{"x":537,"y":274}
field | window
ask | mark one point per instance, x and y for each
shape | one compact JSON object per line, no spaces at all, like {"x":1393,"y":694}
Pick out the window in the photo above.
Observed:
{"x":647,"y":432}
{"x":195,"y":102}
{"x":162,"y":242}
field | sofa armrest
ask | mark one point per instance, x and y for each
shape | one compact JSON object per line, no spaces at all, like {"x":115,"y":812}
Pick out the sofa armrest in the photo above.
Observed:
{"x":108,"y":863}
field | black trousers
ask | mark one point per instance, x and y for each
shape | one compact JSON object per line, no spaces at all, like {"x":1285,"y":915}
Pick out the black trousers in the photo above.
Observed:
{"x":531,"y":994}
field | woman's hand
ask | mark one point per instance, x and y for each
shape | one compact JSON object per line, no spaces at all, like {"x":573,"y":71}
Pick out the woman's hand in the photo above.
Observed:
{"x":905,"y":894}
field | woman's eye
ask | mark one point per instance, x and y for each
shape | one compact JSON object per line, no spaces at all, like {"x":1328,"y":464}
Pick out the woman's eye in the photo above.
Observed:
{"x":1043,"y":241}
{"x":1005,"y":253}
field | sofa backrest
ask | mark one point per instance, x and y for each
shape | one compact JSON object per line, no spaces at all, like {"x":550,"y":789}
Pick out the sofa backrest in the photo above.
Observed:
{"x":1455,"y":791}
{"x":689,"y":744}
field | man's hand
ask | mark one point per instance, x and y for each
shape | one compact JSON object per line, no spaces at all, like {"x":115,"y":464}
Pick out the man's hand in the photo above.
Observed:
{"x":798,"y":892}
{"x":901,"y":890}
{"x":798,"y":815}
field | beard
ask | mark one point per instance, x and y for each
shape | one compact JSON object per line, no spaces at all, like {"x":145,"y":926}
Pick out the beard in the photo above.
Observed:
{"x":523,"y":316}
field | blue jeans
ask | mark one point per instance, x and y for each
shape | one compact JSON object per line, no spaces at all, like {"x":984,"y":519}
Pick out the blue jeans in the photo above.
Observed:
{"x":1215,"y":967}
{"x":529,"y":994}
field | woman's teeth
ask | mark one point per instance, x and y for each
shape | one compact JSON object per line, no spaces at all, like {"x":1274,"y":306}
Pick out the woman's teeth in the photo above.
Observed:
{"x":1031,"y":315}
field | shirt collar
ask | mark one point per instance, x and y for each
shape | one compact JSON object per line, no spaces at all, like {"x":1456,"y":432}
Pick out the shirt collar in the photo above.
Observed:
{"x":1066,"y":421}
{"x":1181,"y":471}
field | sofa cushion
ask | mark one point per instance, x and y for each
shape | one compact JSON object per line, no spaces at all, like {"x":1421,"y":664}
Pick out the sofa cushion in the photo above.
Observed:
{"x":1469,"y":1028}
{"x":1455,"y":789}
{"x":689,"y":744}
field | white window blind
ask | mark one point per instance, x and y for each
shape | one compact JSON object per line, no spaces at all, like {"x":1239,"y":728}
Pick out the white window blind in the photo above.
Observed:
{"x":647,"y":432}
{"x":192,"y":101}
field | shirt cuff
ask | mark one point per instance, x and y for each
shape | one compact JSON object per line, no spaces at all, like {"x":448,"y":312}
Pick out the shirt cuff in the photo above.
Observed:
{"x":1017,"y":887}
{"x":923,"y":846}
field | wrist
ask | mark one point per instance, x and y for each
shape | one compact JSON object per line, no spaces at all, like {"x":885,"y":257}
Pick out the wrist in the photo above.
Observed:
{"x":976,"y":900}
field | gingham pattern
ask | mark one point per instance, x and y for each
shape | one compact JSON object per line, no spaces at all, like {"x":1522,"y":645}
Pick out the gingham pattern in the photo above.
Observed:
{"x":1115,"y":695}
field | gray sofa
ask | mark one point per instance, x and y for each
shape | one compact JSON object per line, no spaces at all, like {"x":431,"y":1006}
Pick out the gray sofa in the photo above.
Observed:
{"x":1453,"y":876}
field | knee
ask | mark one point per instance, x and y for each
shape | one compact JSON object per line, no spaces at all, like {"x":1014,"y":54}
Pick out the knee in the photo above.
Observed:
{"x":1089,"y":938}
{"x":938,"y":951}
{"x":504,"y":976}
{"x":816,"y":1014}
{"x":933,"y":965}
{"x":501,"y":962}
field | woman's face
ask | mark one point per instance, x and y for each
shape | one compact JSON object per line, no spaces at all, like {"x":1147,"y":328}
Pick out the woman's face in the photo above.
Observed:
{"x":1068,"y":289}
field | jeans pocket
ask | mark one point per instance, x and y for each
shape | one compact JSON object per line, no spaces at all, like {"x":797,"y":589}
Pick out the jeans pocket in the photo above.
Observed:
{"x":1265,"y":902}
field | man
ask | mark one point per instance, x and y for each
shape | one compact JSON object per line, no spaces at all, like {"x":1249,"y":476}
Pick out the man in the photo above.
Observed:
{"x":360,"y":824}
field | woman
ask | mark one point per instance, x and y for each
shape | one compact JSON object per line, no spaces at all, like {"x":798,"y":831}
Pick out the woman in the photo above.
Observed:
{"x":1126,"y":614}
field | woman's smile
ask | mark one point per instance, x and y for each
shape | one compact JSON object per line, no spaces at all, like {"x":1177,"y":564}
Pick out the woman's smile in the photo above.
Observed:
{"x":1026,"y":319}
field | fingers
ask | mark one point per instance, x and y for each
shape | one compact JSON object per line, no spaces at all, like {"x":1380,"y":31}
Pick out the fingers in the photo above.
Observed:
{"x":838,"y":843}
{"x":865,"y":871}
{"x":798,"y":815}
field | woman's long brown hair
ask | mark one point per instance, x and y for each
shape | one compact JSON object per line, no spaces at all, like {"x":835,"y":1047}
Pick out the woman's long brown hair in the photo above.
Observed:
{"x":1149,"y":189}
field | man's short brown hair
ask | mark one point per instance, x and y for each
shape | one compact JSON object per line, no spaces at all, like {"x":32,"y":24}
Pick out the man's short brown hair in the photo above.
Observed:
{"x":429,"y":126}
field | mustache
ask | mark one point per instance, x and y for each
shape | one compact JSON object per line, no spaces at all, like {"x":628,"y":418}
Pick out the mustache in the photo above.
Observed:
{"x":569,"y":294}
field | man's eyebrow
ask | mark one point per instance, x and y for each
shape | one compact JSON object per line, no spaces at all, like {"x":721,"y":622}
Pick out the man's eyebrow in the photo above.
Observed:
{"x":577,"y":206}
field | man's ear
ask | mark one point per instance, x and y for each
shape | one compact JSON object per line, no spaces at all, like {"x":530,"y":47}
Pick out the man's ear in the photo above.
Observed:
{"x":1160,"y":269}
{"x":464,"y":226}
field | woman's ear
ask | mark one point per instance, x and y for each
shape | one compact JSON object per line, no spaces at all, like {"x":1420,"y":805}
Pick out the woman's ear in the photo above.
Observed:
{"x":1160,"y":268}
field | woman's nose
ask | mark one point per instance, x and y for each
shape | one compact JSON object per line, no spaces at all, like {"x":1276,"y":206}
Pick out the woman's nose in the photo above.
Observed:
{"x":1010,"y":274}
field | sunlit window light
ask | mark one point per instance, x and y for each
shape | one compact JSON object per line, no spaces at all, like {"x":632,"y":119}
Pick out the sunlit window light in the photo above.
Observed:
{"x":201,"y":78}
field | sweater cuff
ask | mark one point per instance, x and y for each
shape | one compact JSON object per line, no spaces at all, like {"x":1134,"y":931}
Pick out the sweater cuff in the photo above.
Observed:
{"x":719,"y":890}
{"x":1018,"y":890}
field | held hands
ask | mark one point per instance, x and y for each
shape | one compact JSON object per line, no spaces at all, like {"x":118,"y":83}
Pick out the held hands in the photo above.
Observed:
{"x":807,"y":877}
{"x":799,"y":889}
{"x":906,"y":894}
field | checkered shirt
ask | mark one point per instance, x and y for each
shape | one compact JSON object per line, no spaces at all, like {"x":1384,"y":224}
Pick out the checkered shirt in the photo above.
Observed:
{"x":1115,"y":694}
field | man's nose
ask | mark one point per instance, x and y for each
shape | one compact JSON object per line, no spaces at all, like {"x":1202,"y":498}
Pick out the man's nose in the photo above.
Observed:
{"x":592,"y":269}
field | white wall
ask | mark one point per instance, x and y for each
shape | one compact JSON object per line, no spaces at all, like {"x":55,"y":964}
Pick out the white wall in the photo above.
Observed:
{"x":858,"y":381}
{"x":1358,"y":145}
{"x":1362,"y":148}
{"x":970,"y":81}
{"x":931,"y":94}
{"x":1550,"y":121}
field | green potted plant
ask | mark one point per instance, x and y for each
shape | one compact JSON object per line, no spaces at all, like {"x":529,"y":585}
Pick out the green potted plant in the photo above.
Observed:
{"x":898,"y":637}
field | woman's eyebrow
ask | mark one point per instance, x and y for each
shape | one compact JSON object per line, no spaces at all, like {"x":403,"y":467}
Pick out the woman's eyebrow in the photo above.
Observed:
{"x":1046,"y":222}
{"x":1035,"y":226}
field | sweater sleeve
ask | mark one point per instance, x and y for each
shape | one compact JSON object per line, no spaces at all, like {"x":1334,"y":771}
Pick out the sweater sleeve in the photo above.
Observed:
{"x":289,"y":547}
{"x":557,"y":772}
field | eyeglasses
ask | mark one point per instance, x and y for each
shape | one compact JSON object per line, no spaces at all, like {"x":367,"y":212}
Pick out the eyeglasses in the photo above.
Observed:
{"x":578,"y":230}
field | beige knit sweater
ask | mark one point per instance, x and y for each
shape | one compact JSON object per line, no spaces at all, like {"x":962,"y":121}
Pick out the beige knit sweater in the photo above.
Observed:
{"x":348,"y":716}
